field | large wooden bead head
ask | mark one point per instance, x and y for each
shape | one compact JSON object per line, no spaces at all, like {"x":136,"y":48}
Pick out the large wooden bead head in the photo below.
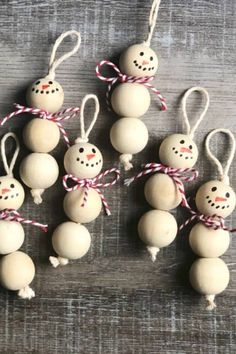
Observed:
{"x":84,"y":160}
{"x":46,"y":93}
{"x":216,"y":197}
{"x":11,"y":191}
{"x":179,"y":150}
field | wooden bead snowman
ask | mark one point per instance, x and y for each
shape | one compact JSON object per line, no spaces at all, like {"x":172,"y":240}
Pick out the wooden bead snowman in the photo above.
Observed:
{"x":45,"y":96}
{"x":209,"y":238}
{"x":131,"y":99}
{"x":17,"y":269}
{"x":83,"y":163}
{"x":164,"y":190}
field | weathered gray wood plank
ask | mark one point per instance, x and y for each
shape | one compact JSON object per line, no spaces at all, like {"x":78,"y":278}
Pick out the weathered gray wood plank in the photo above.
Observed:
{"x":115,"y":300}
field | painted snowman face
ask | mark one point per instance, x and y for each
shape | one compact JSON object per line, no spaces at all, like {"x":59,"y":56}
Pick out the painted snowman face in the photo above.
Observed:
{"x":139,"y":60}
{"x":178,"y":151}
{"x":83,"y":160}
{"x":215,"y":198}
{"x":11,"y":193}
{"x":45,"y":94}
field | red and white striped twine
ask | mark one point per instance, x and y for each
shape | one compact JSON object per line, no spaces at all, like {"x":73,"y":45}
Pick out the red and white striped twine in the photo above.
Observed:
{"x":215,"y":221}
{"x":177,"y":174}
{"x":125,"y":78}
{"x":14,"y":215}
{"x":87,"y":183}
{"x":54,"y":117}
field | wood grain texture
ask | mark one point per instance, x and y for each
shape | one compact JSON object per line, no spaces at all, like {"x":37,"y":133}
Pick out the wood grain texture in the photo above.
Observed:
{"x":115,"y":301}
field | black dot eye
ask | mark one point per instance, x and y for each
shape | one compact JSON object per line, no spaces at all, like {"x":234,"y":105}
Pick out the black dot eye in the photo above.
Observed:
{"x":50,"y":82}
{"x":190,"y":147}
{"x":182,"y":141}
{"x":227,"y":195}
{"x":151,"y":58}
{"x":93,"y":150}
{"x":213,"y":189}
{"x":37,"y":83}
{"x":12,"y":185}
{"x":81,"y":150}
{"x":141,"y":54}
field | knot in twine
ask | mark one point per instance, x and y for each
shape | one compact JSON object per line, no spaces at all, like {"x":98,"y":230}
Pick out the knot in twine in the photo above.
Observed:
{"x":13,"y":215}
{"x":94,"y":183}
{"x":54,"y":117}
{"x":120,"y":77}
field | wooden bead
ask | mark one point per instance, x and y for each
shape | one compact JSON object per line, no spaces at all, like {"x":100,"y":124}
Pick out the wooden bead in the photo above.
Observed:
{"x":161,"y":192}
{"x":138,"y":60}
{"x":178,"y":151}
{"x":215,"y":198}
{"x":46,"y":94}
{"x":39,"y":171}
{"x":83,"y":160}
{"x":207,"y":242}
{"x":157,"y":228}
{"x":71,"y":240}
{"x":209,"y":276}
{"x":12,"y":236}
{"x":12,"y":193}
{"x":82,"y":214}
{"x":129,"y":135}
{"x":130,"y":100}
{"x":17,"y":270}
{"x":41,"y":135}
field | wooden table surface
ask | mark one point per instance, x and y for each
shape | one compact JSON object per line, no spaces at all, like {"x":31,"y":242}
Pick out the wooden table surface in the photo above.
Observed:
{"x":115,"y":300}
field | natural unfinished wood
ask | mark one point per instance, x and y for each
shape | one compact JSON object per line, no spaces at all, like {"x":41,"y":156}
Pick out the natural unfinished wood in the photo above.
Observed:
{"x":115,"y":300}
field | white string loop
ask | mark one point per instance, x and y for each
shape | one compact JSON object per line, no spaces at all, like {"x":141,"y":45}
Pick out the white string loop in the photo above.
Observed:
{"x":223,"y":172}
{"x":152,"y":21}
{"x":54,"y":63}
{"x":190,"y":131}
{"x":84,"y":134}
{"x":9,"y":167}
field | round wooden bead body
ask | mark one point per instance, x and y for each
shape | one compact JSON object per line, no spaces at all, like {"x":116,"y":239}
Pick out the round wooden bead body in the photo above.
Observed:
{"x":71,"y":240}
{"x":41,"y":135}
{"x":129,"y":135}
{"x":130,"y":100}
{"x":209,"y":276}
{"x":82,"y":214}
{"x":12,"y":236}
{"x":17,"y":270}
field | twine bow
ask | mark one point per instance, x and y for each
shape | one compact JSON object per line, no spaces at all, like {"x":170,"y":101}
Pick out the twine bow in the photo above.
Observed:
{"x":54,"y":117}
{"x":120,"y":77}
{"x":215,"y":222}
{"x":177,"y":174}
{"x":14,"y":215}
{"x":94,"y":183}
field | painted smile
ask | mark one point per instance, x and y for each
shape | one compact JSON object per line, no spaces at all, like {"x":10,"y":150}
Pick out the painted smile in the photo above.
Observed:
{"x":143,"y":65}
{"x":182,"y":152}
{"x":44,"y":88}
{"x":9,"y":196}
{"x":215,"y":203}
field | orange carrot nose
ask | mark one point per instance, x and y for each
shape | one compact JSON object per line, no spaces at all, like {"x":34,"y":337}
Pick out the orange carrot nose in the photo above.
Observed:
{"x":90,"y":156}
{"x":5,"y":190}
{"x":44,"y":87}
{"x":145,"y":62}
{"x":183,"y":149}
{"x":219,"y":199}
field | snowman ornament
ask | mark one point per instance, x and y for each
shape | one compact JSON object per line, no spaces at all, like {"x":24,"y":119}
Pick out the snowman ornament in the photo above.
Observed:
{"x":45,"y":97}
{"x":82,"y":204}
{"x":130,"y":98}
{"x":17,"y":269}
{"x":164,"y":190}
{"x":210,"y":238}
